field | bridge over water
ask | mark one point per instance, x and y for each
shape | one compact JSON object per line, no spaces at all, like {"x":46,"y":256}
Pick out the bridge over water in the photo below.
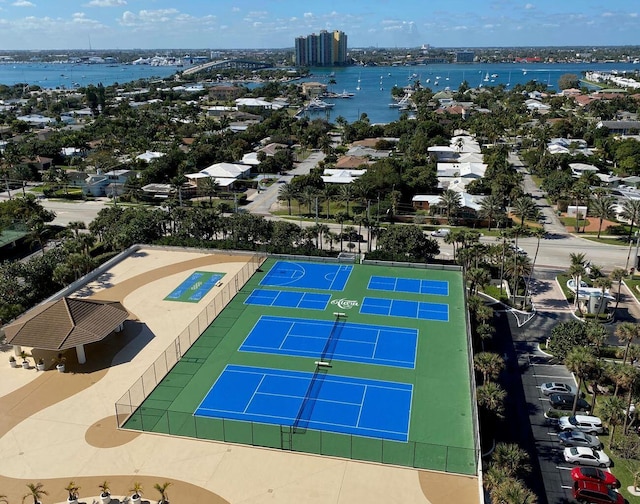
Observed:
{"x":224,"y":64}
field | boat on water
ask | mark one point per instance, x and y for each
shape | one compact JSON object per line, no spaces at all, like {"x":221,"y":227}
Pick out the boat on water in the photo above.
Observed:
{"x":318,"y":104}
{"x":494,"y":75}
{"x":486,"y":77}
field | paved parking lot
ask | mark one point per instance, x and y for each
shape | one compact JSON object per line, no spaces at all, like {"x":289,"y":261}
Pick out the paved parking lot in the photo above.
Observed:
{"x":527,"y":369}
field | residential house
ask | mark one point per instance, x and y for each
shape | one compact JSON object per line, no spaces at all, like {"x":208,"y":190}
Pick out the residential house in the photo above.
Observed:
{"x":470,"y":204}
{"x":577,"y":169}
{"x":149,"y":156}
{"x":369,"y":152}
{"x":225,"y":174}
{"x":107,"y":184}
{"x":339,"y":176}
{"x":347,"y":162}
{"x":620,"y":127}
{"x":226,"y":93}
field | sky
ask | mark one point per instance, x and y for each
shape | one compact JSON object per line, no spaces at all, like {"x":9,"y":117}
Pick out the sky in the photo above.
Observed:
{"x":255,"y":24}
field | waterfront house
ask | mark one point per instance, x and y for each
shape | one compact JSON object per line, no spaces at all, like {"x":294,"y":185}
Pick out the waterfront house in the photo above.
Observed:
{"x":107,"y":184}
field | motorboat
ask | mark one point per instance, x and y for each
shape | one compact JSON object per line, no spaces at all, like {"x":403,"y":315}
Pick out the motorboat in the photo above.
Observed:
{"x":318,"y":104}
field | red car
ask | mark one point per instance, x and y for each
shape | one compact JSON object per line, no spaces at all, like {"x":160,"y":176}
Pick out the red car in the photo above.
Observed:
{"x":595,"y":493}
{"x":595,"y":475}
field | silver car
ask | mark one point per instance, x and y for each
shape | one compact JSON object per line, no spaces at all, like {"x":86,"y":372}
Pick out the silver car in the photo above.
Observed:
{"x":557,"y":388}
{"x":579,"y":438}
{"x":586,"y":456}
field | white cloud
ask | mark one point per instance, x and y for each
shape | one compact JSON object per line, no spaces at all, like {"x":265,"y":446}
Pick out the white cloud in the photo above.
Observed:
{"x":529,"y":6}
{"x":308,"y":15}
{"x":23,"y":3}
{"x":106,"y":3}
{"x":235,"y":9}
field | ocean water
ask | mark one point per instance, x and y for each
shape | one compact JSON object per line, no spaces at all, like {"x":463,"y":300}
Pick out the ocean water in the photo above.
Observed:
{"x":375,"y":83}
{"x":371,"y":86}
{"x":68,"y":76}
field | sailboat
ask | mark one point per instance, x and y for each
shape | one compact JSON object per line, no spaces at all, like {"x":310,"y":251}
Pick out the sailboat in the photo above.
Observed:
{"x":358,"y":86}
{"x":509,"y":81}
{"x":486,"y":77}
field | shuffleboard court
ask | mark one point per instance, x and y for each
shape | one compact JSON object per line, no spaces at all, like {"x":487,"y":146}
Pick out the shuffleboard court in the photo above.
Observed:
{"x":320,"y":401}
{"x":307,"y":275}
{"x":339,"y":340}
{"x":412,"y":285}
{"x":194,"y":288}
{"x":288,"y":299}
{"x":404,"y":308}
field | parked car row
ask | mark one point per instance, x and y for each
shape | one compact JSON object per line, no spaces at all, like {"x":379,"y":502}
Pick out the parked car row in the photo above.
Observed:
{"x":581,"y":446}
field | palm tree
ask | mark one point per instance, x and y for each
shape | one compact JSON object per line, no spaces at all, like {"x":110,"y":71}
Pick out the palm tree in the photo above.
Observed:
{"x":36,"y":491}
{"x":525,"y":208}
{"x":489,"y":364}
{"x":538,"y":233}
{"x":162,"y":489}
{"x":345,"y":194}
{"x":579,"y":361}
{"x":210,"y":187}
{"x":477,"y":277}
{"x":136,"y":489}
{"x":286,"y":193}
{"x":577,"y":271}
{"x":612,"y":412}
{"x":617,"y":275}
{"x":72,"y":489}
{"x":602,"y":283}
{"x":513,"y":492}
{"x":626,"y":333}
{"x":519,"y":268}
{"x":490,"y":397}
{"x":494,"y":478}
{"x":451,"y":201}
{"x":511,"y":458}
{"x":328,"y":192}
{"x":491,"y":208}
{"x":631,"y":212}
{"x":340,"y":218}
{"x":602,"y":206}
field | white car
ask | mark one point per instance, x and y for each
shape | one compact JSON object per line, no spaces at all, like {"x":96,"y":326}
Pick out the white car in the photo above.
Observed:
{"x":440,"y":233}
{"x":586,"y":456}
{"x":557,"y":388}
{"x":585,"y":423}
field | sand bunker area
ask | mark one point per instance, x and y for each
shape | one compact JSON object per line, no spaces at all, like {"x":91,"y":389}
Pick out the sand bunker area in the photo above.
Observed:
{"x":61,"y":427}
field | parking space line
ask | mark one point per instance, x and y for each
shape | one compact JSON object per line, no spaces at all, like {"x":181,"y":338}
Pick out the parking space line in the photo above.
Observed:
{"x":566,"y":487}
{"x":565,"y":468}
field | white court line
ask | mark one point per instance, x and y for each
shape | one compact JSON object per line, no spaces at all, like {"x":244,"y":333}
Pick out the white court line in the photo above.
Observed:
{"x":375,"y":346}
{"x":286,"y":335}
{"x":253,"y":395}
{"x":361,"y":405}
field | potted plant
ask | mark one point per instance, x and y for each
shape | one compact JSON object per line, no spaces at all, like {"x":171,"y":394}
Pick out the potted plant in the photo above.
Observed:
{"x":40,"y":365}
{"x":59,"y":361}
{"x":12,"y":362}
{"x":162,"y":489}
{"x":136,"y":492}
{"x":72,"y":490}
{"x":105,"y":495}
{"x":35,"y":492}
{"x":25,"y":362}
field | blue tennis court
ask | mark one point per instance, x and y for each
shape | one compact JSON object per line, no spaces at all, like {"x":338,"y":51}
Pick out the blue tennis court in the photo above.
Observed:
{"x":339,"y":340}
{"x":403,"y":308}
{"x":194,"y":288}
{"x":320,"y":401}
{"x":288,"y":299}
{"x":411,"y":285}
{"x":307,"y":275}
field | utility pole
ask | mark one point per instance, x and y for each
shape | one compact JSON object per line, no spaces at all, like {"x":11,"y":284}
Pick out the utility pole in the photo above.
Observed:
{"x":316,"y":210}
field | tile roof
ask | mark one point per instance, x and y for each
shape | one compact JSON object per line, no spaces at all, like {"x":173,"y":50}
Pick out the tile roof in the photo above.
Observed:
{"x":66,"y":323}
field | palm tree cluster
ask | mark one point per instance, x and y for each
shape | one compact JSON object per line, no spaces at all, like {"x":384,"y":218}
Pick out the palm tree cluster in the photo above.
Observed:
{"x":502,"y":480}
{"x":582,"y":348}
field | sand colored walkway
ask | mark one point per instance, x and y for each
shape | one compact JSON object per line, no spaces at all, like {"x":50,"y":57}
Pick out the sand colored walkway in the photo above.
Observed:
{"x":59,"y":427}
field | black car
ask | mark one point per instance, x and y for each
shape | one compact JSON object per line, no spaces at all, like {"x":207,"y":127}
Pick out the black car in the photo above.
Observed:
{"x":565,"y":402}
